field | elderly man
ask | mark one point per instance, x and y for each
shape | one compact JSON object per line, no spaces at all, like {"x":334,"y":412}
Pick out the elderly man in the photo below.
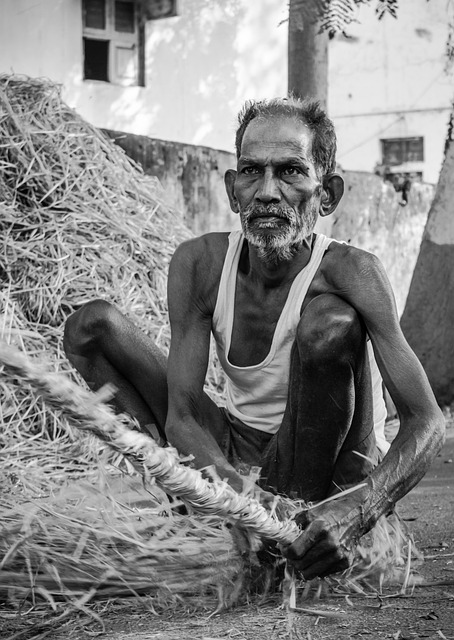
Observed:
{"x":300,"y":322}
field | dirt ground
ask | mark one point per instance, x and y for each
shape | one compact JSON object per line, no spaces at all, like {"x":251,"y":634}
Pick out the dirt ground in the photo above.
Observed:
{"x":427,"y":612}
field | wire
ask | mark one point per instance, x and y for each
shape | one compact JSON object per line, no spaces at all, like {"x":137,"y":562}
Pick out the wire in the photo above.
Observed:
{"x":383,"y":129}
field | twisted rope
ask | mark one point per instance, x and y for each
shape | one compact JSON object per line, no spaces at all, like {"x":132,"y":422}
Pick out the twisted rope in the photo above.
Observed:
{"x":87,"y":411}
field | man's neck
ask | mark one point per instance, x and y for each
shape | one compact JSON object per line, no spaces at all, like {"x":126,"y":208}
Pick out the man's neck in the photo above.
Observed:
{"x":273,"y":273}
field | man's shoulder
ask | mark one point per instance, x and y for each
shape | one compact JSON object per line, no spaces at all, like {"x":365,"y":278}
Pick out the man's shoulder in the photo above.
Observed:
{"x":338,"y":250}
{"x":344,"y":260}
{"x":208,"y":247}
{"x":197,"y":266}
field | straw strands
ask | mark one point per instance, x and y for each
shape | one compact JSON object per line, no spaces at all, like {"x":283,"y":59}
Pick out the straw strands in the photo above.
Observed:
{"x":79,"y":220}
{"x":86,"y":411}
{"x":379,"y":557}
{"x":109,"y":541}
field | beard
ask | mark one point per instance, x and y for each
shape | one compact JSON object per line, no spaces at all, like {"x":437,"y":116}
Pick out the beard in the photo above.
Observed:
{"x":275,"y":241}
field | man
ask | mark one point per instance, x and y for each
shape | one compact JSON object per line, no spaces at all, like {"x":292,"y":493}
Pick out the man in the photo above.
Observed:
{"x":299,"y":321}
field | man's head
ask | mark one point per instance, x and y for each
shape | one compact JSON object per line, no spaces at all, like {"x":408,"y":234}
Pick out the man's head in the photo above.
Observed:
{"x":309,"y":112}
{"x":286,"y":156}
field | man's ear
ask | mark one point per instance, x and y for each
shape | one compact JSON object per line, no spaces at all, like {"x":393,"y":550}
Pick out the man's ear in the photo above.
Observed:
{"x":229,"y":181}
{"x":333,"y":190}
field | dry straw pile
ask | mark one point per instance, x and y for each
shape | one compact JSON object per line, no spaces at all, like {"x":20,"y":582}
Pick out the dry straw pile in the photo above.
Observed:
{"x":79,"y":220}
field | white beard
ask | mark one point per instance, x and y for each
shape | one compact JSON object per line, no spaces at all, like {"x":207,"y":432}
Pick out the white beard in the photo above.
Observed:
{"x":284,"y":242}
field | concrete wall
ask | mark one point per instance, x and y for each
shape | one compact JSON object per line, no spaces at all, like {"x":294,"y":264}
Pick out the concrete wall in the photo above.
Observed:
{"x":42,"y":38}
{"x":192,"y":178}
{"x":369,"y":215}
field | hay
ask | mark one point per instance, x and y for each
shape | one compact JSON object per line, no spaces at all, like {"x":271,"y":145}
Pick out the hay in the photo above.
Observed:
{"x":110,"y":540}
{"x":80,"y":220}
{"x":86,"y":411}
{"x":379,"y":556}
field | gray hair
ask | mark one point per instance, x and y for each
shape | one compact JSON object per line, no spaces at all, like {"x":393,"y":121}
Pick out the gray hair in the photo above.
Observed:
{"x":308,"y":111}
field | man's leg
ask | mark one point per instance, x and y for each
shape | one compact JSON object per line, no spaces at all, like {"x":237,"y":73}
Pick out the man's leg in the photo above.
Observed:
{"x":104,"y":346}
{"x":329,"y":413}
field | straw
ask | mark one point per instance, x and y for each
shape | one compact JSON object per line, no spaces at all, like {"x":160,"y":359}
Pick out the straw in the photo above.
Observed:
{"x":86,"y":539}
{"x":79,"y":220}
{"x":86,"y":411}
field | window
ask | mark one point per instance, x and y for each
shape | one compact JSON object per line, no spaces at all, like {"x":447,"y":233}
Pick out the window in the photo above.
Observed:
{"x":399,"y":150}
{"x":113,"y":42}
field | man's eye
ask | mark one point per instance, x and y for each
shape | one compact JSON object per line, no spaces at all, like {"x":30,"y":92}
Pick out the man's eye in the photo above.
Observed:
{"x":249,"y":171}
{"x":290,"y":171}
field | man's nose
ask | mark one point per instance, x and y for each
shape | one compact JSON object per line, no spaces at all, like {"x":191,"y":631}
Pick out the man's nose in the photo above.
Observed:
{"x":268,"y":189}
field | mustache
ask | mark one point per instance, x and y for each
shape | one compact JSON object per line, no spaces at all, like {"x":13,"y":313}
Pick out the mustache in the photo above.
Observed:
{"x":260,"y":210}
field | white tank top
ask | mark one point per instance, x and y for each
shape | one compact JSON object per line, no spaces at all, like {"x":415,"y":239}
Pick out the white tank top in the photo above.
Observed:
{"x":257,"y":394}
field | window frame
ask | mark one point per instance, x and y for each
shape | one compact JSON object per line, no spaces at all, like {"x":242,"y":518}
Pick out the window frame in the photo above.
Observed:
{"x":404,"y":152}
{"x":119,"y":40}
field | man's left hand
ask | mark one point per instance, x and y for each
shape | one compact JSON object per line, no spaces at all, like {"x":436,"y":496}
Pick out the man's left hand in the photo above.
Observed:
{"x":328,"y":541}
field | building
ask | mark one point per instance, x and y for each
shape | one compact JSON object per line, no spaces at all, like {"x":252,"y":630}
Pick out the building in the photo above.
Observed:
{"x":391,"y":90}
{"x":180,"y":69}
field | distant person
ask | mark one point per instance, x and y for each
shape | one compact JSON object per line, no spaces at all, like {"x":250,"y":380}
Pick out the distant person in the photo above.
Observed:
{"x":405,"y":190}
{"x":301,"y":322}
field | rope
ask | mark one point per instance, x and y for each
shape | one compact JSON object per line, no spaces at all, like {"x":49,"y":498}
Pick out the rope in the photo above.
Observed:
{"x":87,"y":411}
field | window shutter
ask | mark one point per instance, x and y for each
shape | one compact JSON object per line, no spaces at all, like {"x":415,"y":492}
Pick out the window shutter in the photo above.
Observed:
{"x":125,"y":63}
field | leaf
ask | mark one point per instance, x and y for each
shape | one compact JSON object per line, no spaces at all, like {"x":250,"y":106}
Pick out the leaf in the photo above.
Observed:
{"x":338,"y":14}
{"x":334,"y":15}
{"x":387,"y":6}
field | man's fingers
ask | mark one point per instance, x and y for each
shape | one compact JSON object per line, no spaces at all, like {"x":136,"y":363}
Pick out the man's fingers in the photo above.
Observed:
{"x":306,"y":555}
{"x":314,"y":535}
{"x":318,"y":550}
{"x":302,"y":518}
{"x":325,"y":566}
{"x":317,"y":553}
{"x":321,"y":552}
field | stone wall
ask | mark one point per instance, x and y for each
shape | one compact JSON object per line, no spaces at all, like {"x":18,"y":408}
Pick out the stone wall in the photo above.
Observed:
{"x":370,"y":215}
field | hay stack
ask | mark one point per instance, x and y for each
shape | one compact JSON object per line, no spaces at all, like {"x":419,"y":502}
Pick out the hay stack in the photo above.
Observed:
{"x":80,"y":220}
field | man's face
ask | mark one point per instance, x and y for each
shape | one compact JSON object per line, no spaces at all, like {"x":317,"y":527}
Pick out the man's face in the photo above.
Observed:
{"x":277,"y":187}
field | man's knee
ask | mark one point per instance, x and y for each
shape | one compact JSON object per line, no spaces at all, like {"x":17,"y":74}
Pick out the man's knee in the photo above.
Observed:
{"x":85,"y":327}
{"x":329,"y":329}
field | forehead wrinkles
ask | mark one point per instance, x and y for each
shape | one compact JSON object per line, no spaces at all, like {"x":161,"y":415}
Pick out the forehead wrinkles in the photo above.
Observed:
{"x":292,"y":146}
{"x":279,"y":148}
{"x":271,"y":134}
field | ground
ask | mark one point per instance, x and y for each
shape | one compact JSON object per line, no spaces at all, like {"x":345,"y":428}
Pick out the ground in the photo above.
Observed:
{"x":427,"y":612}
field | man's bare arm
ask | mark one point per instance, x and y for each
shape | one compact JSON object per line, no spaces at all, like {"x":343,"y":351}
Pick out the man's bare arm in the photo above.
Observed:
{"x":422,"y":425}
{"x":333,"y":527}
{"x":191,"y":298}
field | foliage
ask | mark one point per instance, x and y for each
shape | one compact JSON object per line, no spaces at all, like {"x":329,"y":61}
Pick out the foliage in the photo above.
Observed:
{"x":336,"y":15}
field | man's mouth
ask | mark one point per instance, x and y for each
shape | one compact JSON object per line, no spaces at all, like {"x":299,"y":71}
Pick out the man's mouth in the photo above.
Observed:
{"x":268,"y":219}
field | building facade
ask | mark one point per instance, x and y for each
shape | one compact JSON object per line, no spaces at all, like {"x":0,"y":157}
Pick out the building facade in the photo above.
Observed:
{"x":391,"y":90}
{"x":180,"y":69}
